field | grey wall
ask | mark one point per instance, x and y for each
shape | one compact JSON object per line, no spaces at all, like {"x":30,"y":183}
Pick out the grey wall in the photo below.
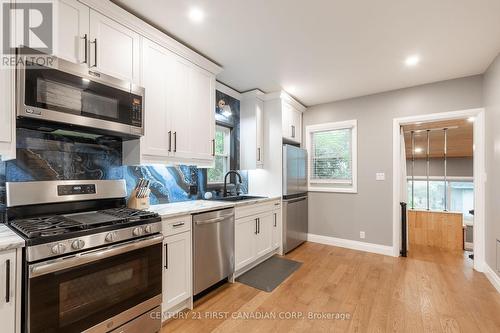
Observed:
{"x":455,"y":167}
{"x":492,"y":105}
{"x":370,"y":210}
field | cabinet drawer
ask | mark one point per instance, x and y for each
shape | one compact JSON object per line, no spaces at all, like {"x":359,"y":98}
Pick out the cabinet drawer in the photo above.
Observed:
{"x":257,"y":208}
{"x":176,"y":225}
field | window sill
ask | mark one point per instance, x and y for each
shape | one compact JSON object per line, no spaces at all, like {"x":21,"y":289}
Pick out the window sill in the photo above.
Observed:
{"x":333,"y":189}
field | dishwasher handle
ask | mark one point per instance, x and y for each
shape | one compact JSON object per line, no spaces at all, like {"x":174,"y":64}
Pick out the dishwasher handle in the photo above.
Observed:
{"x":211,"y":221}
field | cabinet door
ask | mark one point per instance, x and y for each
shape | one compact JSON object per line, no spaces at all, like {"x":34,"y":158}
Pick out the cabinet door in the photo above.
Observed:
{"x":177,"y":276}
{"x":180,"y":115}
{"x":276,"y":234}
{"x":193,"y":115}
{"x":7,"y":115}
{"x":156,"y":69}
{"x":286,"y":120}
{"x":265,"y":233}
{"x":259,"y":118}
{"x":7,"y":294}
{"x":114,"y":49}
{"x":202,"y":110}
{"x":296,"y":123}
{"x":245,"y":234}
{"x":72,"y":31}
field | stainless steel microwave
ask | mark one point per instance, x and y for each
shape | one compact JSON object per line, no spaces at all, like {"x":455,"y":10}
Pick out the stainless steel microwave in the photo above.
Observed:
{"x":72,"y":95}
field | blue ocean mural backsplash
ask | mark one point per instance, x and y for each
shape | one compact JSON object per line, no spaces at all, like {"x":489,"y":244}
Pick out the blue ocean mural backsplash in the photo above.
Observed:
{"x":60,"y":156}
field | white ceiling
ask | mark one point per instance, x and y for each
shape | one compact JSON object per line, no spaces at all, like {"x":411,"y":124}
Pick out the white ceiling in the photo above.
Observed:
{"x":326,"y":50}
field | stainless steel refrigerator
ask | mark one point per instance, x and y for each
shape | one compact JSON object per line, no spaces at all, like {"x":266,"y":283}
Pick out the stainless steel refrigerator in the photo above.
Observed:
{"x":295,"y":220}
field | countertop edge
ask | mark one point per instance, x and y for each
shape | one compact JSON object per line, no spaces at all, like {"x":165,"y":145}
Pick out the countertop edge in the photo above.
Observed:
{"x":212,"y":205}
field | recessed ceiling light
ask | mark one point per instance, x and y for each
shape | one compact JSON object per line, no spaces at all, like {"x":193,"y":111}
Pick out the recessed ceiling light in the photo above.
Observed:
{"x":196,"y":14}
{"x":412,"y":60}
{"x":418,"y":150}
{"x":471,"y":119}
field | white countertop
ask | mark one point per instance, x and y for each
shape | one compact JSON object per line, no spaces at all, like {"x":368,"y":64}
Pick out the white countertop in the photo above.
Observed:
{"x":198,"y":206}
{"x":9,"y":239}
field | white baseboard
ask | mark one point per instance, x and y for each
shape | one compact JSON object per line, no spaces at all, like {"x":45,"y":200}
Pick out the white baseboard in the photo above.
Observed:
{"x":492,"y":276}
{"x":351,"y":244}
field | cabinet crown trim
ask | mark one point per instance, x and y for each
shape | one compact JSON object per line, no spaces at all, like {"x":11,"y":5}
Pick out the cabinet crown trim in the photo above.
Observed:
{"x":146,"y":30}
{"x":284,"y":96}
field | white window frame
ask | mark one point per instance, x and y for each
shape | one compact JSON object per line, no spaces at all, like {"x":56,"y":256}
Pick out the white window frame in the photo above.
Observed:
{"x":227,"y":150}
{"x":332,"y":185}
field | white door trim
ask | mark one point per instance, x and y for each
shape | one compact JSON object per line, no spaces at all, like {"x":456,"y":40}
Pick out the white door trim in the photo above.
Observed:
{"x":479,"y":177}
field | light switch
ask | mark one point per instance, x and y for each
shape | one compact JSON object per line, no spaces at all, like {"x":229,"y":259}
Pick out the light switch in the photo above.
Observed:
{"x":380,"y":176}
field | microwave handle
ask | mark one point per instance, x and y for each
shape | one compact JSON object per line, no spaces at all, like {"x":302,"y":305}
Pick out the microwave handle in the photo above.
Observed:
{"x":91,"y":256}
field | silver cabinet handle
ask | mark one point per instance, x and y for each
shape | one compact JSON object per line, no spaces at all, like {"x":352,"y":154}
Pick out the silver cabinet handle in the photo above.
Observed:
{"x":169,"y":141}
{"x":258,"y":154}
{"x":213,"y":147}
{"x":178,"y":225}
{"x":175,"y":142}
{"x":7,"y":281}
{"x":95,"y":52}
{"x":256,"y":230}
{"x":166,"y":255}
{"x":85,"y":39}
{"x":293,"y":131}
{"x":275,"y":220}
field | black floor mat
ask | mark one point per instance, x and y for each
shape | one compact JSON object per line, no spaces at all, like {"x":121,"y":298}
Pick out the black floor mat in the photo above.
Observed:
{"x":269,"y":274}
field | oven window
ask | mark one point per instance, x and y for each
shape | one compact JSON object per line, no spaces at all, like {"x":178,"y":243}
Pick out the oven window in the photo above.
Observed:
{"x":80,"y":297}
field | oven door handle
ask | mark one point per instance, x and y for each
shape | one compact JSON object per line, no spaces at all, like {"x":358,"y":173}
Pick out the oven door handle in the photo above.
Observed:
{"x":91,"y":256}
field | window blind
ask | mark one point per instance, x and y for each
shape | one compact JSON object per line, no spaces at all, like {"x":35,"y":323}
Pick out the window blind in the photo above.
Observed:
{"x":331,"y":158}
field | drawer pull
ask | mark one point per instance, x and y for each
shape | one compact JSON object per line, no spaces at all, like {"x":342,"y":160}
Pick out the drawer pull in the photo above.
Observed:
{"x":178,"y":225}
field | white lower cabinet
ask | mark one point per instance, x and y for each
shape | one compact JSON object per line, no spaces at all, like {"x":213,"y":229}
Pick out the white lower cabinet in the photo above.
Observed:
{"x":276,"y":233}
{"x":264,"y":234}
{"x":177,"y":266}
{"x":257,"y":233}
{"x":244,"y":240}
{"x":9,"y":301}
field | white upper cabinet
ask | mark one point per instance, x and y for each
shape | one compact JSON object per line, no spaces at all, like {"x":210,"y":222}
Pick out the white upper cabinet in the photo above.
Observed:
{"x":7,"y":115}
{"x":252,"y":130}
{"x":179,"y":111}
{"x":291,"y":122}
{"x":72,"y":31}
{"x":156,"y":69}
{"x":193,"y":113}
{"x":114,"y":49}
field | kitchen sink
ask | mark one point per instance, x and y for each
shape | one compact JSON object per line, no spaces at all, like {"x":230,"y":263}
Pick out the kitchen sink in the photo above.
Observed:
{"x":239,"y":198}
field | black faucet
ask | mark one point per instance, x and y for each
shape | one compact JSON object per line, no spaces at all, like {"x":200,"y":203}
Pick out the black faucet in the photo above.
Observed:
{"x":224,"y":192}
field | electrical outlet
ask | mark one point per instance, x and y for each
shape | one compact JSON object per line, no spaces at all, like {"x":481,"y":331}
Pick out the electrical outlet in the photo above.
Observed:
{"x":362,"y":234}
{"x":380,"y":176}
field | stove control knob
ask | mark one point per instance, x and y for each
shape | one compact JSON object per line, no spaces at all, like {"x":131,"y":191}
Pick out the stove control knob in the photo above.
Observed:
{"x":110,"y":237}
{"x":78,"y":244}
{"x":148,"y":229}
{"x":137,"y":231}
{"x":59,"y":248}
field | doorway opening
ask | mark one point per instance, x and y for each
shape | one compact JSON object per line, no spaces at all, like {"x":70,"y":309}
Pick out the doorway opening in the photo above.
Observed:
{"x":440,"y":186}
{"x":438,"y":174}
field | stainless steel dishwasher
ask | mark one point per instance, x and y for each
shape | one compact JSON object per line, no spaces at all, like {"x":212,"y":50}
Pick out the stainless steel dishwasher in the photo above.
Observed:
{"x":213,"y":244}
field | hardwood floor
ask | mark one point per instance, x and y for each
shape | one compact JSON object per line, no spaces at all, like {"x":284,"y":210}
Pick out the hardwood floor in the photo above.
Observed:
{"x":431,"y":290}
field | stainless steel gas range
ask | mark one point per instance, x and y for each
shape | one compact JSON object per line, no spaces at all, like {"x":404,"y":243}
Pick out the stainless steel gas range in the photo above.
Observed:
{"x":90,"y":264}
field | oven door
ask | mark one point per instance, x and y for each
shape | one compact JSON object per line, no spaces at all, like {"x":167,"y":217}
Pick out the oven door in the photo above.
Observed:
{"x":71,"y":94}
{"x":97,"y":290}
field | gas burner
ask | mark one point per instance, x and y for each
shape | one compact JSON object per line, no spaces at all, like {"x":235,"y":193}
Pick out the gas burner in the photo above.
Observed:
{"x":129,"y":213}
{"x":46,"y":226}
